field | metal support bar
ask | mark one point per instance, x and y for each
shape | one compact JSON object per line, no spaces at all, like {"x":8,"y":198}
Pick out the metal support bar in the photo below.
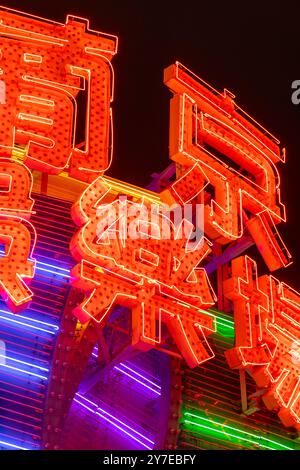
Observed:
{"x":162,"y":179}
{"x":44,"y":183}
{"x":102,"y":346}
{"x":93,"y":378}
{"x":230,"y":253}
{"x":243,"y":387}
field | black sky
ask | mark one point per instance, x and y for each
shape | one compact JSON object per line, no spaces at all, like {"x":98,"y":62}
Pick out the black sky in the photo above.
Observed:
{"x":251,"y":48}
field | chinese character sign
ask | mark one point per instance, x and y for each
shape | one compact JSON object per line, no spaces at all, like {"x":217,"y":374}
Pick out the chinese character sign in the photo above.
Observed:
{"x":267,"y":325}
{"x":17,"y":234}
{"x":132,"y":255}
{"x":240,"y":182}
{"x":56,"y":88}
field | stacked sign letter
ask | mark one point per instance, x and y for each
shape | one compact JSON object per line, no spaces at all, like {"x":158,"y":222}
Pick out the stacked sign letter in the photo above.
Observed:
{"x":229,"y":162}
{"x":17,"y":235}
{"x":125,"y":260}
{"x":267,"y":324}
{"x":45,"y":67}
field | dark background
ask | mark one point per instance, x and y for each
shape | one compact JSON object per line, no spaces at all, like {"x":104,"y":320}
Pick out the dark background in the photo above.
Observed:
{"x":251,"y":48}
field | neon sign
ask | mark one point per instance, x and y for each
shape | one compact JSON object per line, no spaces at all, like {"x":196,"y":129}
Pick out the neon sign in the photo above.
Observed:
{"x":157,"y":278}
{"x":267,"y":322}
{"x":237,"y":160}
{"x":45,"y":65}
{"x":17,"y":234}
{"x":225,"y":162}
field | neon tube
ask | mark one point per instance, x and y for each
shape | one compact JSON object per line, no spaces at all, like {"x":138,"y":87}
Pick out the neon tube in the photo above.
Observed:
{"x":95,"y":354}
{"x":131,"y":370}
{"x":23,"y":362}
{"x":113,"y":424}
{"x":124,"y":424}
{"x":137,"y":380}
{"x":52,"y":272}
{"x":124,"y":431}
{"x":32,"y":319}
{"x":226,"y":434}
{"x":12,"y":445}
{"x":38,"y":263}
{"x":220,"y":320}
{"x":140,"y":375}
{"x":53,"y":267}
{"x":113,"y":417}
{"x":29,"y":326}
{"x":113,"y":421}
{"x":24,"y":371}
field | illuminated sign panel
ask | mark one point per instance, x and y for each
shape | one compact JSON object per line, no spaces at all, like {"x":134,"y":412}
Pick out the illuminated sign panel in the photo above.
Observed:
{"x":17,"y":235}
{"x":237,"y":160}
{"x":157,"y":278}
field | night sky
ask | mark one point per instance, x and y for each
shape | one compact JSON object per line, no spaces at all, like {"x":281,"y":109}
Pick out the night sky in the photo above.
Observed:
{"x":251,"y":48}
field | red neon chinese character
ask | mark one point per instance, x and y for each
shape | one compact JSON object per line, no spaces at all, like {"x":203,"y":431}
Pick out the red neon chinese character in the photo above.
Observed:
{"x":14,"y":264}
{"x":229,"y":162}
{"x":17,"y":235}
{"x":267,"y":325}
{"x":156,"y":277}
{"x":45,"y":66}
